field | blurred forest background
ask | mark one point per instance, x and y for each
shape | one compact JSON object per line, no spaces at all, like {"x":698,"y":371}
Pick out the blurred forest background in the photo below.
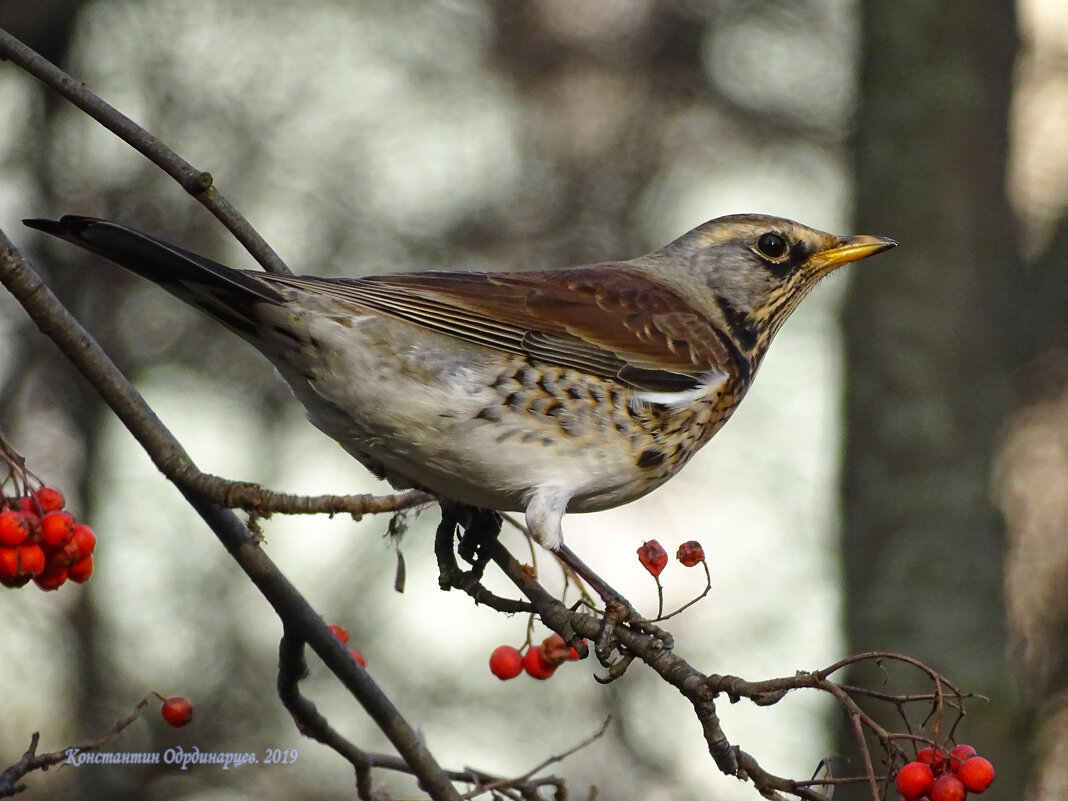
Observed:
{"x":897,"y":479}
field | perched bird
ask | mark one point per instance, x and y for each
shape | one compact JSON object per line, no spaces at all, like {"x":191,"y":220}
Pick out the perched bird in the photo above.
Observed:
{"x":567,"y":390}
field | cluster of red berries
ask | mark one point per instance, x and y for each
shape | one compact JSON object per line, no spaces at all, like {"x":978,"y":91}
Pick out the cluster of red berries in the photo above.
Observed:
{"x":539,"y":662}
{"x":938,"y":776}
{"x":39,"y":541}
{"x":343,"y":635}
{"x":177,"y":711}
{"x":654,"y":558}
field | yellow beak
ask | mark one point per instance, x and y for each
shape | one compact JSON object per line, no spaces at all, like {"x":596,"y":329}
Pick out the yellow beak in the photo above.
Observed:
{"x":851,"y":248}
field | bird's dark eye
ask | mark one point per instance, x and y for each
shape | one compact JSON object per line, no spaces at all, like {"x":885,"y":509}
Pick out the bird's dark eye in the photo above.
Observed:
{"x":772,"y":246}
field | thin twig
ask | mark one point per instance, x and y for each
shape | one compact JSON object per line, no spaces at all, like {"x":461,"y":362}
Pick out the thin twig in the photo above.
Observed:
{"x":692,"y":601}
{"x":869,"y":769}
{"x":526,"y":777}
{"x":263,"y":502}
{"x":32,"y":761}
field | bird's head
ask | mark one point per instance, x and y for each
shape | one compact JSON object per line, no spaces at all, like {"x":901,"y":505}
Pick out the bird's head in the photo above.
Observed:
{"x":749,"y":271}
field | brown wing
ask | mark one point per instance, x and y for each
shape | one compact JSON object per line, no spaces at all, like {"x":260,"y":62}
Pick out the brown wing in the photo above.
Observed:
{"x":604,"y":319}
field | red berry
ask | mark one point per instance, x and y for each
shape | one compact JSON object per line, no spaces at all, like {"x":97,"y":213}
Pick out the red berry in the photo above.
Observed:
{"x":505,"y":662}
{"x":914,"y":779}
{"x":28,"y":504}
{"x":358,"y":657}
{"x":690,"y":553}
{"x":81,"y":570}
{"x":536,"y":665}
{"x":555,"y":650}
{"x":177,"y":711}
{"x":49,"y":499}
{"x":958,"y":754}
{"x":340,"y":633}
{"x":52,"y":578}
{"x":653,"y":557}
{"x":11,"y":574}
{"x":31,"y":559}
{"x":57,"y":529}
{"x":13,"y":528}
{"x":976,"y":774}
{"x":947,"y":788}
{"x":84,"y":540}
{"x":931,"y":756}
{"x":9,"y":563}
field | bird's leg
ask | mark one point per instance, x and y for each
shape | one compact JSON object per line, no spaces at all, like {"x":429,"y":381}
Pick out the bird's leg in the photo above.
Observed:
{"x":608,"y":594}
{"x":545,"y":511}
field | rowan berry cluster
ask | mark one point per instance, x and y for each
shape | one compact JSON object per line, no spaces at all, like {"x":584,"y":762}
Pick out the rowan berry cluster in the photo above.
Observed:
{"x":936,"y":775}
{"x":539,"y":662}
{"x":40,"y":541}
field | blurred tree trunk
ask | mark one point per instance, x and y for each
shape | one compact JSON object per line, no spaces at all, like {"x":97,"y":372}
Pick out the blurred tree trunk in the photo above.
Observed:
{"x":1032,"y":489}
{"x":933,"y":337}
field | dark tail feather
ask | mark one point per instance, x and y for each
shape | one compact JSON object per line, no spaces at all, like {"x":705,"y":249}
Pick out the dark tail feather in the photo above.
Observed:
{"x":220,"y":291}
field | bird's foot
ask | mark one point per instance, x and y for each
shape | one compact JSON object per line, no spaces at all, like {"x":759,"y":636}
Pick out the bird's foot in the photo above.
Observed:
{"x":477,"y":528}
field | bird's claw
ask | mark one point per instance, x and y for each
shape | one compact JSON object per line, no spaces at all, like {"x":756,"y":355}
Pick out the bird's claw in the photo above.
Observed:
{"x":615,"y":670}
